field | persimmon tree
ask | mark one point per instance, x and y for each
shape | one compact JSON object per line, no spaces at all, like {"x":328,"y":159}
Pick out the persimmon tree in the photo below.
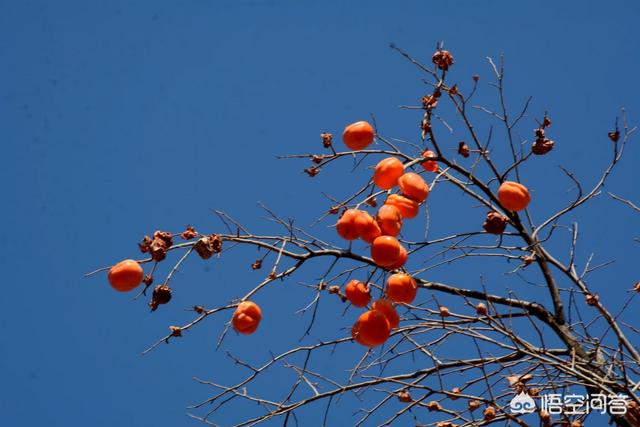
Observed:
{"x":442,"y":354}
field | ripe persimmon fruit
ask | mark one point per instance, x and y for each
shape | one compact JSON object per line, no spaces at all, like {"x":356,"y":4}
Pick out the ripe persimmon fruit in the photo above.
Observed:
{"x":387,"y":172}
{"x":386,"y":307}
{"x":513,"y":196}
{"x":385,"y":250}
{"x":125,"y":275}
{"x":246,"y":317}
{"x":413,"y":186}
{"x":401,"y":288}
{"x":366,"y":227}
{"x":358,"y":135}
{"x":408,"y":208}
{"x":402,"y":260}
{"x":371,"y":329}
{"x":358,"y":293}
{"x":390,"y":220}
{"x":346,"y":226}
{"x":429,"y":165}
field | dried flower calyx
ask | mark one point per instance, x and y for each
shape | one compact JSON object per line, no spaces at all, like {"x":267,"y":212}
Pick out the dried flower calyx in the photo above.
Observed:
{"x":542,"y":144}
{"x":463,"y":149}
{"x":312,"y":171}
{"x":425,"y":124}
{"x":591,"y":299}
{"x":145,"y":244}
{"x":481,"y":309}
{"x":158,"y":246}
{"x":614,"y":136}
{"x":516,"y":379}
{"x":495,"y":223}
{"x":489,"y":413}
{"x":404,"y":396}
{"x":161,"y":295}
{"x":336,"y":291}
{"x":189,"y":233}
{"x":433,"y":406}
{"x":327,"y":139}
{"x":443,"y":59}
{"x":147,"y":280}
{"x":208,"y":245}
{"x":429,"y":102}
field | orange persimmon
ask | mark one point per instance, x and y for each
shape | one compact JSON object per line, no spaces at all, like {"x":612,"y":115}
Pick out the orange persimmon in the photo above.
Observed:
{"x":346,"y":226}
{"x":408,"y":208}
{"x":246,"y":317}
{"x":387,"y":172}
{"x":401,"y":288}
{"x":389,"y":220}
{"x":402,"y":259}
{"x":358,"y":135}
{"x":386,"y":307}
{"x":366,"y":227}
{"x":385,"y":250}
{"x":371,"y":329}
{"x":429,"y":165}
{"x":125,"y":275}
{"x":357,"y":293}
{"x":413,"y":186}
{"x":513,"y":196}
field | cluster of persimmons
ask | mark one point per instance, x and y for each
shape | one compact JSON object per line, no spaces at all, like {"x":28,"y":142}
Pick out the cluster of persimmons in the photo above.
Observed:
{"x":373,"y":327}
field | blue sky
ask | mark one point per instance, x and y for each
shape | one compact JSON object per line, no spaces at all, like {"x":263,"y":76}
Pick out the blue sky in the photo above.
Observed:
{"x":118,"y":118}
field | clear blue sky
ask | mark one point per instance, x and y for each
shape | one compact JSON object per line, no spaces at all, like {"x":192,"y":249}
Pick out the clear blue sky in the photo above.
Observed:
{"x":118,"y":118}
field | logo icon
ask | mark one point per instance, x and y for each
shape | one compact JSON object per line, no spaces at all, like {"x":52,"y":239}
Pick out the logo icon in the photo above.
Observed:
{"x":522,"y":404}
